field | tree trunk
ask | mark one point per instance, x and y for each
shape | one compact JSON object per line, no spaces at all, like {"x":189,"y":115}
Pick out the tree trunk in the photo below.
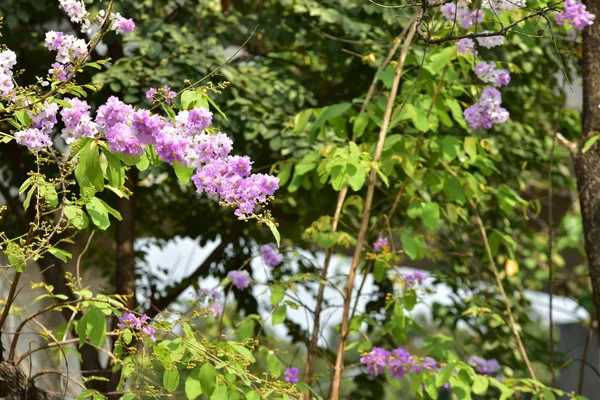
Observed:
{"x":587,"y":166}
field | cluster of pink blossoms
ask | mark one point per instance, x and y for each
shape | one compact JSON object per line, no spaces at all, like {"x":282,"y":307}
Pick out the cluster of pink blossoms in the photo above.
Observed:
{"x":128,"y":131}
{"x":488,"y":73}
{"x":399,"y":362}
{"x":465,"y":17}
{"x":78,"y":14}
{"x":270,"y":255}
{"x":486,"y":111}
{"x":8,"y":59}
{"x":129,"y":321}
{"x":576,"y":14}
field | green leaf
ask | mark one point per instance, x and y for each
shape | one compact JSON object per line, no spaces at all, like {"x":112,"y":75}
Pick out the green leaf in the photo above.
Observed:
{"x":245,"y":331}
{"x":89,"y":171}
{"x":445,"y":375}
{"x":326,"y":114}
{"x":183,"y":173}
{"x":98,"y":213}
{"x":470,"y":146}
{"x":208,"y":379}
{"x":430,"y":387}
{"x":480,"y":384}
{"x":82,"y":329}
{"x":114,"y":170}
{"x":450,"y":148}
{"x":96,"y":326}
{"x":144,"y":162}
{"x":169,"y":111}
{"x":128,"y":396}
{"x":589,"y":143}
{"x":430,"y":215}
{"x":454,"y":190}
{"x":193,"y":388}
{"x":274,"y":231}
{"x":456,"y":111}
{"x":360,"y":124}
{"x":412,"y":245}
{"x":60,"y":254}
{"x":285,"y":172}
{"x":216,"y":107}
{"x":171,"y":379}
{"x":252,"y":395}
{"x":220,"y":393}
{"x":274,"y":365}
{"x":277,"y":294}
{"x":190,"y":98}
{"x":76,"y":217}
{"x":279,"y":315}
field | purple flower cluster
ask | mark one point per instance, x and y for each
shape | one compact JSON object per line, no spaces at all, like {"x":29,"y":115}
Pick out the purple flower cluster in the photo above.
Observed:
{"x":165,"y":93}
{"x":270,"y":255}
{"x":69,"y":50}
{"x":416,"y":278}
{"x":8,"y":59}
{"x":239,"y":279}
{"x":500,"y":5}
{"x":122,"y":25}
{"x":399,"y":362}
{"x":129,"y":320}
{"x":128,"y":131}
{"x":576,"y":14}
{"x":75,"y":9}
{"x":37,"y":137}
{"x":485,"y":367}
{"x":488,"y":73}
{"x":292,"y":375}
{"x":380,"y":243}
{"x":33,"y":139}
{"x":466,"y":46}
{"x":465,"y":17}
{"x":490,"y":41}
{"x":77,"y":121}
{"x":486,"y":111}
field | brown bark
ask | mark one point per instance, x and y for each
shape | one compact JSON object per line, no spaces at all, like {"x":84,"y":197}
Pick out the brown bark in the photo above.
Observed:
{"x":14,"y":385}
{"x":587,"y":165}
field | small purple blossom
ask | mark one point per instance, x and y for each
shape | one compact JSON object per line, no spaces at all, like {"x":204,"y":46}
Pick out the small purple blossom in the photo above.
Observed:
{"x":488,"y":73}
{"x":486,"y":111}
{"x":34,"y":139}
{"x":128,"y":320}
{"x":292,"y":375}
{"x":164,"y":93}
{"x":416,"y":278}
{"x":466,"y":46}
{"x":485,"y":367}
{"x":465,"y":17}
{"x":239,"y":279}
{"x":376,"y":360}
{"x":75,"y":9}
{"x":45,"y":118}
{"x":490,"y":41}
{"x":270,"y":255}
{"x":122,"y":25}
{"x":380,"y":243}
{"x":576,"y":14}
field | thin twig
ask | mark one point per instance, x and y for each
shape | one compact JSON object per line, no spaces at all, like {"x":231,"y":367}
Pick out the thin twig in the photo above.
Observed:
{"x":339,"y":364}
